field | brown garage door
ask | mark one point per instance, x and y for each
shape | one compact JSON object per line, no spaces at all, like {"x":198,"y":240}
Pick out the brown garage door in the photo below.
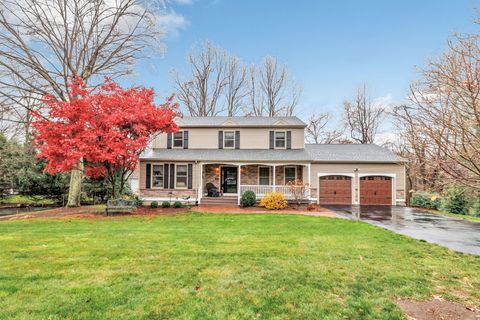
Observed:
{"x":335,"y":190}
{"x":375,"y":190}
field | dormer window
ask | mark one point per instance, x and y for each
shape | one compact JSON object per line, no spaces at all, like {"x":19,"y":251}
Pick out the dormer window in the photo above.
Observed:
{"x":280,"y":139}
{"x":178,"y":139}
{"x":229,"y":139}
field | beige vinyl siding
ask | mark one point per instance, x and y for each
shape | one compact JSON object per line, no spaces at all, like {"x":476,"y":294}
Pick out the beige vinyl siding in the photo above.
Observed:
{"x":250,"y":138}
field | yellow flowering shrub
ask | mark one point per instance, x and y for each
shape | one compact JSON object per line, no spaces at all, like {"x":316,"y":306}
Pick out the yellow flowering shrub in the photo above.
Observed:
{"x":274,"y":201}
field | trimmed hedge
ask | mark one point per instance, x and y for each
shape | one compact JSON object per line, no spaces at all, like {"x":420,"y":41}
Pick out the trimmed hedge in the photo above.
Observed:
{"x":154,"y":204}
{"x":274,"y":201}
{"x":248,"y":199}
{"x":455,"y":201}
{"x":177,"y":204}
{"x":426,"y":200}
{"x":165,"y":204}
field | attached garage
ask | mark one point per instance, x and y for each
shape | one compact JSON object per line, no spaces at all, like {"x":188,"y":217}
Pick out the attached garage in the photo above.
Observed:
{"x":335,"y":189}
{"x":376,"y":190}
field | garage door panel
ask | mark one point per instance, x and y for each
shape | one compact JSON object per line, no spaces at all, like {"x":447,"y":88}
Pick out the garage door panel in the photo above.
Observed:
{"x":376,"y":190}
{"x":335,"y":189}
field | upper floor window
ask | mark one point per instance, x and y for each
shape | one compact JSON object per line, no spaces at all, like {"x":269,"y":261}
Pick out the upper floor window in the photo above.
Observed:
{"x":178,"y":139}
{"x":229,"y":139}
{"x":157,"y":176}
{"x":280,"y":139}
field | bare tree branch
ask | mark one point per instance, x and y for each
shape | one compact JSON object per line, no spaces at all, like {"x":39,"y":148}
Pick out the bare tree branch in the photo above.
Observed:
{"x":362,"y":118}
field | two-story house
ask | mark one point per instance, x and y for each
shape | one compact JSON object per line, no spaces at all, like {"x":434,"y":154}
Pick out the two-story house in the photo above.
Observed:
{"x":264,"y":154}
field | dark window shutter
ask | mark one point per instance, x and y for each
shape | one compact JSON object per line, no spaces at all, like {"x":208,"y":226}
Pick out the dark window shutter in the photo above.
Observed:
{"x":220,"y":139}
{"x":169,"y":140}
{"x":190,"y":173}
{"x":148,"y":176}
{"x":272,"y":139}
{"x":289,"y":139}
{"x":185,"y":139}
{"x":237,"y":139}
{"x":165,"y":175}
{"x":172,"y":176}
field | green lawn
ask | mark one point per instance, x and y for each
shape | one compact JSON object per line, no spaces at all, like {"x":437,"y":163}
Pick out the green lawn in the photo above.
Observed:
{"x":458,"y":216}
{"x":207,"y":266}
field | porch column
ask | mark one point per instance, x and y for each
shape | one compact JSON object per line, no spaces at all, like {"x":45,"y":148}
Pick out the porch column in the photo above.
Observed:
{"x":274,"y":177}
{"x":200,"y":187}
{"x":239,"y":173}
{"x":309,"y":181}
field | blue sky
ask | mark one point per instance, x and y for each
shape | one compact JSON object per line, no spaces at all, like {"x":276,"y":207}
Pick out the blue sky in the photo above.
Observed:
{"x":330,"y":47}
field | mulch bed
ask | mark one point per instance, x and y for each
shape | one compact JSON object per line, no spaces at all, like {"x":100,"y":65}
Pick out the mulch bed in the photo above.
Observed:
{"x":437,"y":309}
{"x":144,"y":210}
{"x":98,"y":213}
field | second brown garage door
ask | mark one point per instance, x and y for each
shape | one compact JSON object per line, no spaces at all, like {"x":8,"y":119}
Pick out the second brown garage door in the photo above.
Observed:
{"x":376,"y":190}
{"x":335,"y":190}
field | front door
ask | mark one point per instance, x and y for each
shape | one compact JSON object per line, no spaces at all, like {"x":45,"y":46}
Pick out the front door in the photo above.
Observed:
{"x":228,"y":179}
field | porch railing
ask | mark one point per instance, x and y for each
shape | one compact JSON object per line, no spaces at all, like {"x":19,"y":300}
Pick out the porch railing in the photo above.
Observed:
{"x":262,"y":190}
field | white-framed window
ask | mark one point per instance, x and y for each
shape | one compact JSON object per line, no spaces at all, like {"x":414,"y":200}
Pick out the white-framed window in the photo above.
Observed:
{"x":228,"y":139}
{"x":290,"y":174}
{"x":280,"y":139}
{"x":157,"y":176}
{"x":178,"y":139}
{"x":264,"y":176}
{"x":181,"y":176}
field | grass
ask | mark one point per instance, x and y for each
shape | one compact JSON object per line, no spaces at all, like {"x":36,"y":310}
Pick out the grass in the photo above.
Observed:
{"x":205,"y":266}
{"x":28,"y":200}
{"x":468,"y":217}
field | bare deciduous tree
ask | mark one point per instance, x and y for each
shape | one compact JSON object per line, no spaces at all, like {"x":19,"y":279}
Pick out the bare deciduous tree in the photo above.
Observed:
{"x":220,"y":83}
{"x":362,"y":117}
{"x":255,"y":105}
{"x":445,"y":111}
{"x":44,"y":43}
{"x":236,"y":88}
{"x":423,"y":172}
{"x":280,"y":95}
{"x":202,"y":90}
{"x":317,"y":129}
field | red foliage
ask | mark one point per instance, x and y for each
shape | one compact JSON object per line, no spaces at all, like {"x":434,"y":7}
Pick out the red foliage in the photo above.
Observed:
{"x":108,"y":127}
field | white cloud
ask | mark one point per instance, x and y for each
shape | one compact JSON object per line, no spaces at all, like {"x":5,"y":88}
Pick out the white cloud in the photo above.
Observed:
{"x":387,"y":137}
{"x":386,"y":102}
{"x":183,"y":2}
{"x":171,"y":23}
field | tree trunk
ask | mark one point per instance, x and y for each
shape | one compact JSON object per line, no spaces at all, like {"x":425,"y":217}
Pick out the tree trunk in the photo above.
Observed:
{"x":75,"y":186}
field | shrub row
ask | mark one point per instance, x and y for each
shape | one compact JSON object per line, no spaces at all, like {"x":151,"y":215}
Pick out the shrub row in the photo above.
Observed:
{"x":166,"y":204}
{"x":453,"y":200}
{"x":271,"y":201}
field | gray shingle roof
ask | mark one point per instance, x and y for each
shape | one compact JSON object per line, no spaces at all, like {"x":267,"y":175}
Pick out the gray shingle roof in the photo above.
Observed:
{"x":240,"y":122}
{"x":311,"y":153}
{"x":350,"y":153}
{"x":243,"y":155}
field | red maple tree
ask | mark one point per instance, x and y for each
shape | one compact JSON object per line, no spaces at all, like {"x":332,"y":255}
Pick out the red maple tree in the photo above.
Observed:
{"x":107,"y":128}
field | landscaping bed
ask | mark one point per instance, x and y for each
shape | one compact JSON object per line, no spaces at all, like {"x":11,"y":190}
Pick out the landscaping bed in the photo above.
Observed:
{"x":222,"y":266}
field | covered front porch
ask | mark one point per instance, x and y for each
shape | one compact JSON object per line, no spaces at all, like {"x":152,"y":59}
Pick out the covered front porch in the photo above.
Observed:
{"x":233,"y":179}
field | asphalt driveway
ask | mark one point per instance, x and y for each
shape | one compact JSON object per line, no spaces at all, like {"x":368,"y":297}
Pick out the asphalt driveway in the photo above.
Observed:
{"x":456,"y":234}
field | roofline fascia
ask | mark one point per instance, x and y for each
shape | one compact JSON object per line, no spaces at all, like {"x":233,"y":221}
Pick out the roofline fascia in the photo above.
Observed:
{"x":242,"y":126}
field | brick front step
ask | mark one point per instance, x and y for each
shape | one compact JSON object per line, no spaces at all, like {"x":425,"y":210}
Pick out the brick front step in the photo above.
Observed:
{"x":219,"y":200}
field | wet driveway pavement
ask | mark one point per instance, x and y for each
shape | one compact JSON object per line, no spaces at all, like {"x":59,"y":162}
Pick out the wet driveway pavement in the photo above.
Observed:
{"x":456,"y":234}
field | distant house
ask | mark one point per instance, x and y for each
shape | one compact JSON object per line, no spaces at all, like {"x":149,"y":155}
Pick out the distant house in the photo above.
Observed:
{"x":263,"y":154}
